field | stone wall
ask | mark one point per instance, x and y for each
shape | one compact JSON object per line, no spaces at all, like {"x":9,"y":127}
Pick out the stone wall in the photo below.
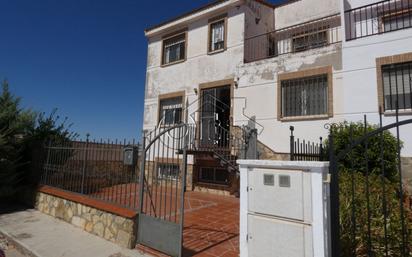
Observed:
{"x":109,"y":226}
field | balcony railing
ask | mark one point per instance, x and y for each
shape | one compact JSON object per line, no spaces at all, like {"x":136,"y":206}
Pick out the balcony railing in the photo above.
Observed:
{"x":378,"y":18}
{"x":314,"y":34}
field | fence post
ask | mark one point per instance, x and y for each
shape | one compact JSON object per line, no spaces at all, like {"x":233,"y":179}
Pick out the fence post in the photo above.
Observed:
{"x":142,"y":171}
{"x":251,"y":148}
{"x":320,"y":149}
{"x":292,"y":143}
{"x":45,"y":169}
{"x":84,"y":163}
{"x":334,"y":199}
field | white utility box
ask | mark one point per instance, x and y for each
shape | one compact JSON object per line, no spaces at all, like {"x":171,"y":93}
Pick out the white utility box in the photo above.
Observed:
{"x":284,"y":207}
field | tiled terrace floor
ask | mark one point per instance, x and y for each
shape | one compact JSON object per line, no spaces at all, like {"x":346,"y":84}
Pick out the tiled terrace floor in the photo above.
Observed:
{"x":209,"y":229}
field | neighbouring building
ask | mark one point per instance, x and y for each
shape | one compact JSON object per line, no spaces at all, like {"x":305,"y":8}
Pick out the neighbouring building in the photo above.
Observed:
{"x":301,"y":63}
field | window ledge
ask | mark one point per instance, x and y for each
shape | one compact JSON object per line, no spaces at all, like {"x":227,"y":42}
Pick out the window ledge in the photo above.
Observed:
{"x":401,"y":113}
{"x":216,"y":51}
{"x":305,"y":118}
{"x":172,"y":63}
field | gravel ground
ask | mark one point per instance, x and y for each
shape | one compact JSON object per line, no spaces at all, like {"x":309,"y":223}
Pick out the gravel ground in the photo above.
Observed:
{"x":8,"y":249}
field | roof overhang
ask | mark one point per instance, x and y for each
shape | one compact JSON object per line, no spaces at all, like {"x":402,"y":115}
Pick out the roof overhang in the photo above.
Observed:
{"x":195,"y":14}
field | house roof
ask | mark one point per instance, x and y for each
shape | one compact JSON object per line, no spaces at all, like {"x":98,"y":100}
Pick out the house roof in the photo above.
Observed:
{"x":204,"y":7}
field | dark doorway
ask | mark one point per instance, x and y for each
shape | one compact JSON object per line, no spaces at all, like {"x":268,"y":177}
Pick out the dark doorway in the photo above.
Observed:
{"x":215,"y":117}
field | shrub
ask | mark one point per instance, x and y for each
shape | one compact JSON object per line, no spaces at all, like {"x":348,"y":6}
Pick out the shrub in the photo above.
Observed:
{"x":375,"y":196}
{"x":355,"y":159}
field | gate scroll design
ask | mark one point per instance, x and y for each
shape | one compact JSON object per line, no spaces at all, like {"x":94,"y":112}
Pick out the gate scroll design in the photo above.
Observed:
{"x":369,"y":211}
{"x":162,"y":188}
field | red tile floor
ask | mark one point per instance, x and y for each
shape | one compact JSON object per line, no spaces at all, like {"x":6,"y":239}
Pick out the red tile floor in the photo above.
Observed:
{"x":210,"y":228}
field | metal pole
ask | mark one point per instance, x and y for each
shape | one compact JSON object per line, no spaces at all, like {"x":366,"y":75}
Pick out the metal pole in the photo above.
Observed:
{"x":142,"y":171}
{"x":292,"y":143}
{"x":182,"y":198}
{"x":84,"y":163}
{"x":334,"y":199}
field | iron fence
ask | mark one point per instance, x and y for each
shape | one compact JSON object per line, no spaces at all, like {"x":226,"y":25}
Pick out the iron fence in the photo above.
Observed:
{"x":377,"y":18}
{"x":305,"y":36}
{"x":303,"y":150}
{"x":105,"y":170}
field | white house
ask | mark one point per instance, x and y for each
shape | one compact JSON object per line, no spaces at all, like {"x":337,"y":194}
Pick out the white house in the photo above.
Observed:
{"x":302,"y":63}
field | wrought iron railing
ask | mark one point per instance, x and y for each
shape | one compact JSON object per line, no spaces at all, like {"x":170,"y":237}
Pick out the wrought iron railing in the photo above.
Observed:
{"x":303,"y":150}
{"x":104,"y":170}
{"x":377,"y":18}
{"x":302,"y":37}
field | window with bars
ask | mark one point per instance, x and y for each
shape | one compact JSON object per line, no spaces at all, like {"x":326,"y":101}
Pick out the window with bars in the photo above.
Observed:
{"x":170,"y":110}
{"x":397,"y":86}
{"x":310,"y":39}
{"x":168,"y":171}
{"x":174,"y":49}
{"x":217,"y":36}
{"x":304,"y":96}
{"x":399,"y":19}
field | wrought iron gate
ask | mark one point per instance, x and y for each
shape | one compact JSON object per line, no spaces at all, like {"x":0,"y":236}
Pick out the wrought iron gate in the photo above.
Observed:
{"x":162,"y":188}
{"x":370,"y":214}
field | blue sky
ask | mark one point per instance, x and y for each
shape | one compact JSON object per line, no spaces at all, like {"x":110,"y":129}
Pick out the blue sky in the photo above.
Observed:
{"x":85,"y":57}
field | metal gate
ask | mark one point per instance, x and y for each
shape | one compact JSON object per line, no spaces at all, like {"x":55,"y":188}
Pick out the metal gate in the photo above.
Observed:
{"x":162,"y":183}
{"x":371,"y":213}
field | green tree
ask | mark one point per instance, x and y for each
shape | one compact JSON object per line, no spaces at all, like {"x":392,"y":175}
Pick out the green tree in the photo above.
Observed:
{"x":23,"y":134}
{"x":14,"y":124}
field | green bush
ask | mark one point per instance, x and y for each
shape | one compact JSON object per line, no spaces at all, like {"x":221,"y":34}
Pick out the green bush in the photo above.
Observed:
{"x":356,"y":158}
{"x":375,"y":196}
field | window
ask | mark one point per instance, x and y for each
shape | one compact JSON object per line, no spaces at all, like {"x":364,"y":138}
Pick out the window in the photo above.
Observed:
{"x":174,"y":49}
{"x":168,"y":171}
{"x":214,"y":175}
{"x":170,"y":110}
{"x":304,"y":96}
{"x":310,"y":39}
{"x":397,"y":85}
{"x":217,"y":35}
{"x":397,"y":20}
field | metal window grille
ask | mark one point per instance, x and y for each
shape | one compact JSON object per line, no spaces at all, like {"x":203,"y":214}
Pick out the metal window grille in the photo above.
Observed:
{"x":168,"y":171}
{"x":397,"y":86}
{"x":305,"y":96}
{"x":171,"y":110}
{"x":174,"y":49}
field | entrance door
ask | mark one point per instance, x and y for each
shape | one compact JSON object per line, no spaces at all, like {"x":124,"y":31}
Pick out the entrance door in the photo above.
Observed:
{"x":215,"y":117}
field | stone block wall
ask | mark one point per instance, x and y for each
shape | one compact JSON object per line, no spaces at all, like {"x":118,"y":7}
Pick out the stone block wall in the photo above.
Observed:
{"x":110,"y":226}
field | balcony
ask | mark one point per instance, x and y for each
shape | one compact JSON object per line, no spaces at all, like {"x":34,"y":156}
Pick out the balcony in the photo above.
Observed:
{"x":378,"y":18}
{"x":298,"y":38}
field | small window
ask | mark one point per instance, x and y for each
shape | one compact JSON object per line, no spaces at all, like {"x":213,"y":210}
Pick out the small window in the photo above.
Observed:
{"x":310,"y":39}
{"x":397,"y":86}
{"x":304,"y":96}
{"x":170,"y":111}
{"x":168,"y":171}
{"x":397,"y":20}
{"x":174,"y":49}
{"x":217,"y":36}
{"x":214,"y":175}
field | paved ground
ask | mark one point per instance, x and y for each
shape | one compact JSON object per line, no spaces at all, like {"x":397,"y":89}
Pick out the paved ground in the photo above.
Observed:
{"x":210,"y":230}
{"x":43,"y":236}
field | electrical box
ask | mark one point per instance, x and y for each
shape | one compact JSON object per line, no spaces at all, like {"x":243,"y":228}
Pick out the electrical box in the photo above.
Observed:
{"x":278,"y":238}
{"x":279,"y":207}
{"x":130,"y":154}
{"x":280,"y":193}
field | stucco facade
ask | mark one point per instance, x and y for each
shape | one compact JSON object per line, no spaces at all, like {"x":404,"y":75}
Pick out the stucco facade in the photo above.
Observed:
{"x":351,"y":65}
